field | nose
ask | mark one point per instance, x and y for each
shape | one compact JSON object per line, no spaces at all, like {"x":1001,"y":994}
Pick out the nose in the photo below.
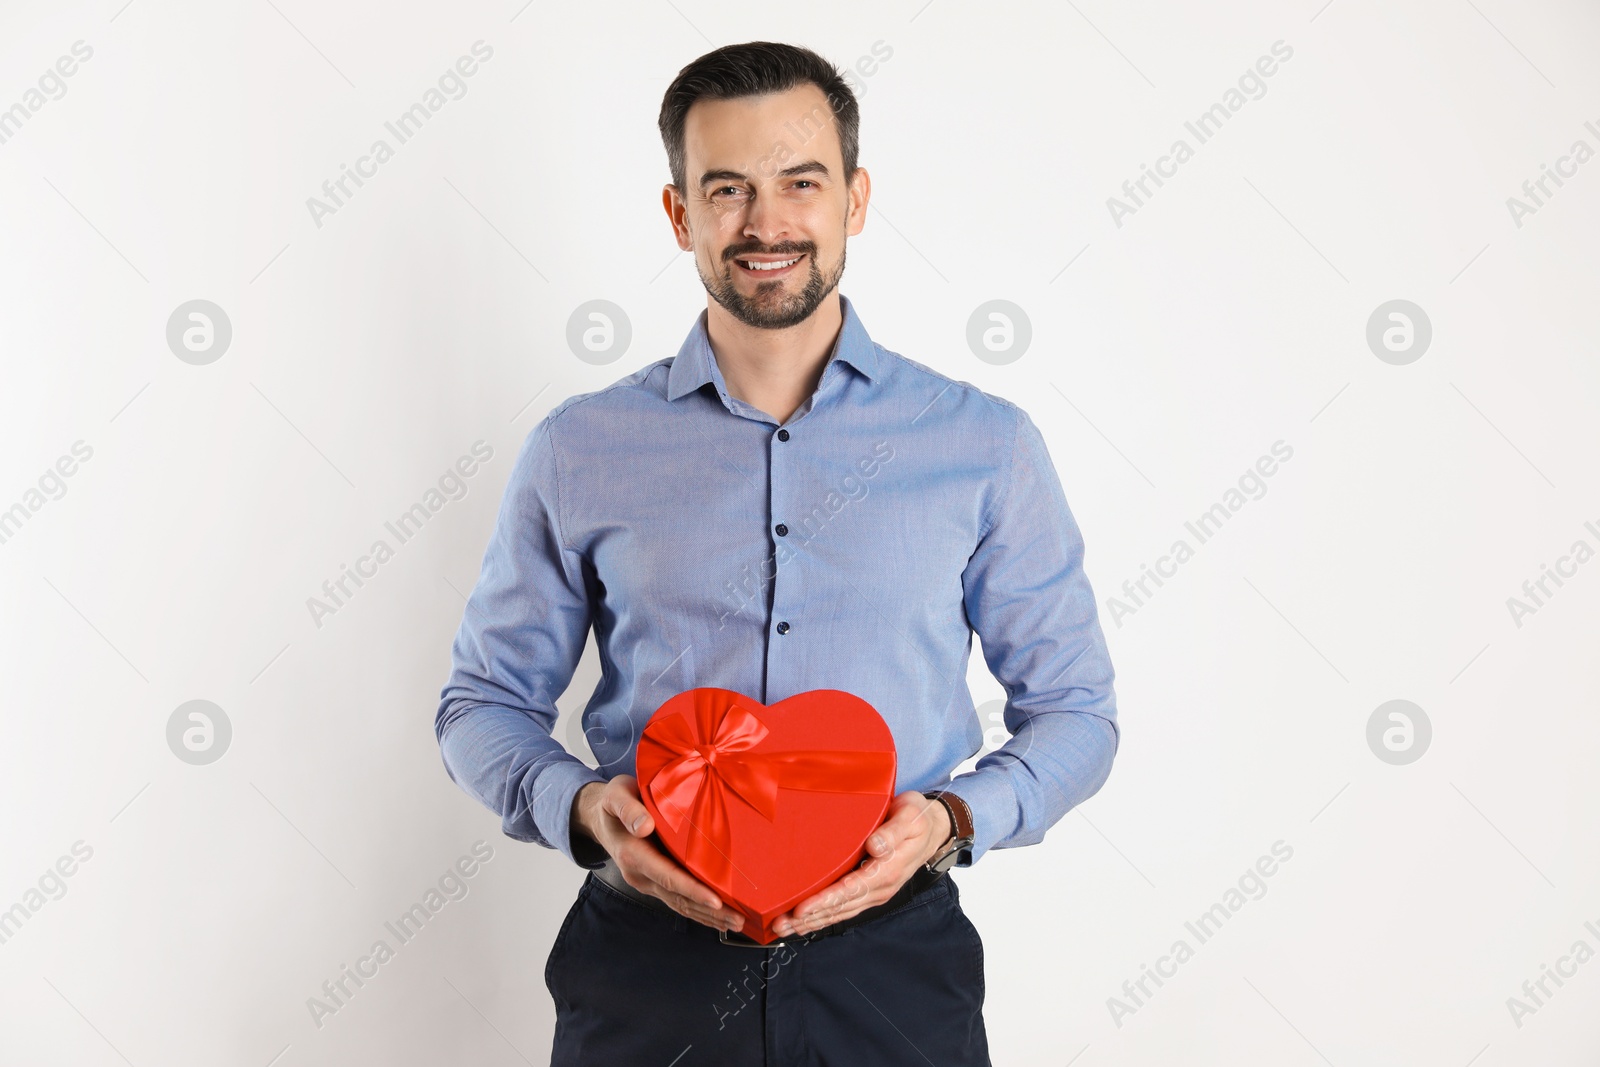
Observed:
{"x":765,"y":220}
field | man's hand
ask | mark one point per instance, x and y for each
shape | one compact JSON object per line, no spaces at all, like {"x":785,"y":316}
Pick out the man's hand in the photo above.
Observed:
{"x":914,"y":830}
{"x":613,"y":815}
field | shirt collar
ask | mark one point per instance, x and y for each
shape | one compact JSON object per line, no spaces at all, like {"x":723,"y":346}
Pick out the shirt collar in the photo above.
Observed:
{"x":695,"y":364}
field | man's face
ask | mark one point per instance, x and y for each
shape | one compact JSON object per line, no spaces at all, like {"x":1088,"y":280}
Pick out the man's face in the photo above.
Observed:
{"x":766,"y":209}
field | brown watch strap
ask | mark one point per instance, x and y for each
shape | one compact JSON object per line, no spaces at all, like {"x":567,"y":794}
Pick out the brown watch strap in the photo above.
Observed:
{"x":960,"y":815}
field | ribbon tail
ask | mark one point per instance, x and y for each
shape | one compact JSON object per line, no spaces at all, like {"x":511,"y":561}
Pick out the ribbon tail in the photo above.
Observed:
{"x":708,"y":825}
{"x":836,"y":772}
{"x":677,"y":787}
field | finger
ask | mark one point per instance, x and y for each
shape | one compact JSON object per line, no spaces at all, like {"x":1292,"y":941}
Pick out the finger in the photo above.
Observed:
{"x":628,"y":810}
{"x":675,"y":879}
{"x":851,"y":887}
{"x":888,"y":841}
{"x":857,"y":896}
{"x":855,"y":891}
{"x":655,"y":866}
{"x":925,"y":816}
{"x":911,"y":828}
{"x":907,"y":821}
{"x":875,"y":877}
{"x":720,"y":919}
{"x":822,"y":911}
{"x":702,"y":908}
{"x":816,"y":920}
{"x":871,"y":884}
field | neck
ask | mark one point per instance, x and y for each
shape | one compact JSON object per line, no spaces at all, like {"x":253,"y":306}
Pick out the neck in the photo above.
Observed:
{"x":774,"y":370}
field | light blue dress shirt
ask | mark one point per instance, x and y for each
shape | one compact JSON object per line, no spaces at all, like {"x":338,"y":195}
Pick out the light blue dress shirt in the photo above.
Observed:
{"x":857,"y":547}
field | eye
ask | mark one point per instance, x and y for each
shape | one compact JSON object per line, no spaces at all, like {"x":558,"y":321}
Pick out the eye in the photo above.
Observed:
{"x":806,"y":181}
{"x":733,"y":189}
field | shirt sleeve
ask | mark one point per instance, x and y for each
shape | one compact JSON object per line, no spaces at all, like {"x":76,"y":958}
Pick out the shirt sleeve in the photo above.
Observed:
{"x":1029,"y":601}
{"x":519,"y":642}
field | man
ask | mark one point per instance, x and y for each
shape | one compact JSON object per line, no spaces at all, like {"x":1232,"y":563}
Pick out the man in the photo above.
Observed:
{"x":783,"y":506}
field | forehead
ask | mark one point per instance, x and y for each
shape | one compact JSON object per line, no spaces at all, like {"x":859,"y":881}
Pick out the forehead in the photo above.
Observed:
{"x":736,"y":134}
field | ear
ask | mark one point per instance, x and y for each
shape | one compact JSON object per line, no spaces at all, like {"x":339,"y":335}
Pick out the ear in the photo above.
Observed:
{"x":860,"y":193}
{"x":672,"y":201}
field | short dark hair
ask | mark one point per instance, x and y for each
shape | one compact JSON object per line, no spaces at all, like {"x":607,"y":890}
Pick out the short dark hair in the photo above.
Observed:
{"x":755,"y":69}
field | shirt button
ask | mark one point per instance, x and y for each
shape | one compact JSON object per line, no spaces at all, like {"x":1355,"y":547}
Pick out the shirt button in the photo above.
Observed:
{"x":783,"y":435}
{"x":783,"y":627}
{"x":782,"y":530}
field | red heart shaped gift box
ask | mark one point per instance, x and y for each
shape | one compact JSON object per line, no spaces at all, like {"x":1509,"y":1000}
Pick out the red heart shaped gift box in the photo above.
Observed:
{"x":766,"y":805}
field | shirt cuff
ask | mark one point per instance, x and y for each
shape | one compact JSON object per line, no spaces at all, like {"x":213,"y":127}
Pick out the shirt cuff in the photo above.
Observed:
{"x":552,"y":810}
{"x":995,"y":811}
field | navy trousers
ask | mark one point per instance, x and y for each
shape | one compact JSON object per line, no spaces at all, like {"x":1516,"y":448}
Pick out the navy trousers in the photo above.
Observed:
{"x":638,"y":987}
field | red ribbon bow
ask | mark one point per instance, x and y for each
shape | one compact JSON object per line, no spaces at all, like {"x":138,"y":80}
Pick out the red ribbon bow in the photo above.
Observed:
{"x":712,"y":759}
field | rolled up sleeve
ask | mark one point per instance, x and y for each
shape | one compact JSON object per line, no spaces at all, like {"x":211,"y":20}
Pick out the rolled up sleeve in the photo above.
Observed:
{"x":1030,"y":603}
{"x":519,"y":642}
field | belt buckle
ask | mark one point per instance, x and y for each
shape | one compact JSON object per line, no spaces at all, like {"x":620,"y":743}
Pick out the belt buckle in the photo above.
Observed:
{"x":746,"y":942}
{"x":920,"y":879}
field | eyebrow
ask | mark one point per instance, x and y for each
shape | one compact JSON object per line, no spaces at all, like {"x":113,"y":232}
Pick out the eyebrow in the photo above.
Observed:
{"x":810,"y":166}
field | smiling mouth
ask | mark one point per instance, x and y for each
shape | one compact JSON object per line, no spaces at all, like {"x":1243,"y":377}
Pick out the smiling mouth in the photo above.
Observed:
{"x":770,"y":268}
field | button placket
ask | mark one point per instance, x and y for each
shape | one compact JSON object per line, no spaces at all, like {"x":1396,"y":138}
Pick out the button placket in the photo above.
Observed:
{"x":781,"y":461}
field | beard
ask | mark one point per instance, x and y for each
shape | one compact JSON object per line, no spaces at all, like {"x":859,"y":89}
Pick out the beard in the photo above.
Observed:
{"x":770,"y":307}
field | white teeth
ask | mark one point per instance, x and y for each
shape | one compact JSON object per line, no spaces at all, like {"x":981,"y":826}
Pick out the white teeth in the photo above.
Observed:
{"x":771,"y":266}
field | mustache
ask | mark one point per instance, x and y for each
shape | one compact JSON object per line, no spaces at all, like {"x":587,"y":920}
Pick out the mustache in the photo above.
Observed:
{"x":783,"y":248}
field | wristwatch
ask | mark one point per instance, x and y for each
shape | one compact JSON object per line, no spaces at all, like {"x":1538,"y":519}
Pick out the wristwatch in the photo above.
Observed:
{"x":958,"y":848}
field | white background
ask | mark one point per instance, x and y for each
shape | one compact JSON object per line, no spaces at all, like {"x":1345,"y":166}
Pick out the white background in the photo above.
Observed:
{"x":430,"y":311}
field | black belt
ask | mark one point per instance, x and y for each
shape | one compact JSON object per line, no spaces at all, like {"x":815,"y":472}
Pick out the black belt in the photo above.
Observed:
{"x":611,"y":875}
